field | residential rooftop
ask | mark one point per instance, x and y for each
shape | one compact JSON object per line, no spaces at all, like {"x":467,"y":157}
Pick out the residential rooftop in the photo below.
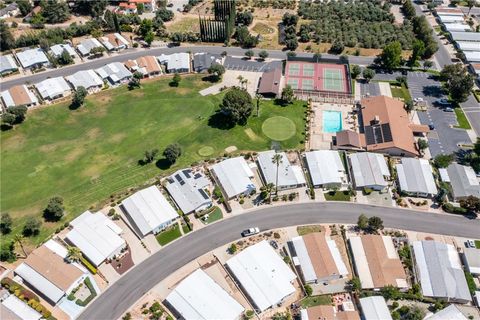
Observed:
{"x":188,"y":190}
{"x":377,"y":262}
{"x":289,"y":176}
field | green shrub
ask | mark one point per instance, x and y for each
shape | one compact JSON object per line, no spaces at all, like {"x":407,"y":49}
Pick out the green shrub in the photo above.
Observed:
{"x":92,"y":295}
{"x":448,"y":207}
{"x":308,"y":290}
{"x":88,"y":265}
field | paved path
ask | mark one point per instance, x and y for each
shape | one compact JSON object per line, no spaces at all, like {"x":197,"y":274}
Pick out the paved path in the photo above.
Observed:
{"x":135,"y":53}
{"x":138,"y":281}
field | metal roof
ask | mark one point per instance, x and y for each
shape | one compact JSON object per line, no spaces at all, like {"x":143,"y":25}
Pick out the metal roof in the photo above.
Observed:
{"x":175,"y":61}
{"x":468,"y":46}
{"x":96,"y":236}
{"x":199,"y":297}
{"x":375,"y":308}
{"x":202,"y":61}
{"x":17,"y":96}
{"x":114,"y":71}
{"x":85,"y":78}
{"x":187,"y":189}
{"x":463,"y":180}
{"x":472,"y":56}
{"x":326,"y":167}
{"x":32,"y":57}
{"x":465,"y":36}
{"x":20,"y":308}
{"x":416,"y":176}
{"x":266,"y":279}
{"x":451,"y":313}
{"x":58,"y":49}
{"x":149,"y":209}
{"x":369,"y":169}
{"x":288,"y":175}
{"x":52,"y":88}
{"x":472,"y":257}
{"x":440,"y":271}
{"x":235,"y":176}
{"x":454,"y":27}
{"x":87,"y":45}
{"x":7,"y":63}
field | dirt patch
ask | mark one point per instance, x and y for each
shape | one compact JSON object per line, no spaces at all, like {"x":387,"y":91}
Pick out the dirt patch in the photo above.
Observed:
{"x":231,"y":149}
{"x":137,"y":93}
{"x":117,"y":137}
{"x":249,"y":132}
{"x":14,"y":142}
{"x":46,"y":148}
{"x":74,"y":154}
{"x":303,"y":230}
{"x":93,"y":133}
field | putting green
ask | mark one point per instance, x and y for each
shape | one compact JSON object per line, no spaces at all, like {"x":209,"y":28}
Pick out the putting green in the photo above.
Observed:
{"x":206,"y":151}
{"x":278,"y":128}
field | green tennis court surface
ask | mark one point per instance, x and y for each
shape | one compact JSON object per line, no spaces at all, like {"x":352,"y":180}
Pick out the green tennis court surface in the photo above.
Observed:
{"x":308,"y":70}
{"x":294,"y":69}
{"x":333,"y":80}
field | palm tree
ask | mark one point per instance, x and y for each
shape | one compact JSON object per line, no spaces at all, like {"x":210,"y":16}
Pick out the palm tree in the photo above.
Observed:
{"x":18,"y":238}
{"x":276,"y":159}
{"x":269,"y":188}
{"x":240,"y":80}
{"x":74,"y":254}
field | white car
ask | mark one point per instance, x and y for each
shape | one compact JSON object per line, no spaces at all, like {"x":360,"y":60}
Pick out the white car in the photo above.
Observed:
{"x":418,"y":100}
{"x":250,"y":232}
{"x":470,"y":244}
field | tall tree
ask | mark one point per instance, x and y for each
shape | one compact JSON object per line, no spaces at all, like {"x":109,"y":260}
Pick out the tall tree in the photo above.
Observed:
{"x":288,"y":95}
{"x":368,"y":74}
{"x":54,"y":210}
{"x":355,"y":71}
{"x":79,"y":97}
{"x":391,"y":56}
{"x":55,"y":11}
{"x":5,"y":223}
{"x":172,"y":152}
{"x":276,"y":159}
{"x":458,"y":81}
{"x":7,"y":41}
{"x":216,"y":70}
{"x":31,"y":227}
{"x":237,"y":105}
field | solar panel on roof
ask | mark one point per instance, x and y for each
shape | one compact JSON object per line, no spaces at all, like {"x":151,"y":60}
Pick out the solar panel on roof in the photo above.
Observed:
{"x":197,"y":176}
{"x":369,"y":135}
{"x":179,"y":179}
{"x":186,"y":173}
{"x":377,"y":132}
{"x":204,"y":195}
{"x":387,"y":132}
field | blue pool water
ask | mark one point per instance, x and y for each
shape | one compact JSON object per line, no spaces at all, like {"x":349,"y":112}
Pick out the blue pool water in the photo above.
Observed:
{"x":332,"y":121}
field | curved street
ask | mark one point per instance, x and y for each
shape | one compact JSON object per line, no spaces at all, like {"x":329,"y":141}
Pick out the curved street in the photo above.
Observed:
{"x":133,"y":285}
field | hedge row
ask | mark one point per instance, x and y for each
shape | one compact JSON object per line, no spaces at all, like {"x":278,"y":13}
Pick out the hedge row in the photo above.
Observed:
{"x":92,"y":295}
{"x":89,"y":266}
{"x":448,"y":207}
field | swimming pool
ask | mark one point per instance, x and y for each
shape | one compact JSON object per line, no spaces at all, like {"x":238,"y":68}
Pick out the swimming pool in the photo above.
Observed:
{"x":332,"y":121}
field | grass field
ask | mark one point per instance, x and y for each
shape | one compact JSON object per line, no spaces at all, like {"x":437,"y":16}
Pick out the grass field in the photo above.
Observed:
{"x":337,"y":196}
{"x":313,"y":301}
{"x":89,"y":154}
{"x":169,"y":235}
{"x":400,"y":92}
{"x":462,"y":119}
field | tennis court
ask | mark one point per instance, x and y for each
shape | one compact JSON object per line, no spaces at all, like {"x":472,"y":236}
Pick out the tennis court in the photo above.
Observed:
{"x":319,"y":77}
{"x":333,"y":80}
{"x":293,"y":69}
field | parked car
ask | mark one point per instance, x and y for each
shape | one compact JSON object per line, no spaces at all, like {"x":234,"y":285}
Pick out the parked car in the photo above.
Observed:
{"x":250,"y":232}
{"x":442,"y":101}
{"x":274,"y":244}
{"x":418,"y":100}
{"x":448,"y":109}
{"x":470,"y":244}
{"x":431,"y":127}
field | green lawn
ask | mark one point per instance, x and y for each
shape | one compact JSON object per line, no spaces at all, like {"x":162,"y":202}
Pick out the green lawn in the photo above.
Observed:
{"x":462,"y":119}
{"x":215,"y":215}
{"x":185,"y":229}
{"x":337,"y":196}
{"x":477,"y":244}
{"x":312,"y":301}
{"x":169,"y":235}
{"x":400,"y":92}
{"x":91,"y":153}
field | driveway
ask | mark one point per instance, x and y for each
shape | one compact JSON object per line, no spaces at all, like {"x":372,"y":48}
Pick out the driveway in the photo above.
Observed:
{"x":138,"y":281}
{"x":444,"y":139}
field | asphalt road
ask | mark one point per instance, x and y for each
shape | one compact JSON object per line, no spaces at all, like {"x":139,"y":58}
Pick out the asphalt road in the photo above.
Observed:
{"x":135,"y":53}
{"x":133,"y":285}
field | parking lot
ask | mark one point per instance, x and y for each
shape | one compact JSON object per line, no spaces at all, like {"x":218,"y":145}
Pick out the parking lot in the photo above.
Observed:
{"x":444,"y":138}
{"x":242,"y":64}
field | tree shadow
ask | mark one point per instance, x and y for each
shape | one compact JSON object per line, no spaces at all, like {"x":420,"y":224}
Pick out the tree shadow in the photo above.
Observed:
{"x":280,"y":102}
{"x":5,"y":127}
{"x":433,"y":91}
{"x":163,"y":164}
{"x":219,"y":120}
{"x":73,"y":106}
{"x":142,"y":162}
{"x":210,"y":78}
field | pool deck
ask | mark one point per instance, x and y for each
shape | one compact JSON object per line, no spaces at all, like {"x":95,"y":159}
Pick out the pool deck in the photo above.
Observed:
{"x":320,"y":140}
